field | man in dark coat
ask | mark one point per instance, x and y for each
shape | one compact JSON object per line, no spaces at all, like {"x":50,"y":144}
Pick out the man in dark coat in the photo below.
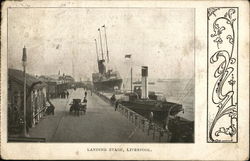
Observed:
{"x":51,"y":108}
{"x":113,"y":99}
{"x":67,"y":93}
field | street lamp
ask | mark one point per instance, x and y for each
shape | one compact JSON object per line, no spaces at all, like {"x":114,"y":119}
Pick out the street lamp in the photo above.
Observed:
{"x":24,"y":62}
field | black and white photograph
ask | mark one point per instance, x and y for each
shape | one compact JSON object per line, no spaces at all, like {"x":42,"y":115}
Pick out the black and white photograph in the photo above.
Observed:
{"x":101,"y":75}
{"x":124,"y":80}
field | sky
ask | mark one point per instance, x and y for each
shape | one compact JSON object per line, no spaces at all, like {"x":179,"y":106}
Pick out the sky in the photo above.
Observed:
{"x":60,"y":39}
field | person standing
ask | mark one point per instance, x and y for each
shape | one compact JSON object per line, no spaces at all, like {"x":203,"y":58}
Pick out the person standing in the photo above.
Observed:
{"x":51,"y":108}
{"x":112,"y":99}
{"x":85,"y":105}
{"x":151,"y":117}
{"x":116,"y":104}
{"x":85,"y":94}
{"x":67,"y":94}
{"x":63,"y":94}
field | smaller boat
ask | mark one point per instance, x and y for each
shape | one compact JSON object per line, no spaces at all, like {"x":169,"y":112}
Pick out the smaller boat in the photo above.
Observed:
{"x":162,"y":80}
{"x":139,"y":82}
{"x":144,"y":102}
{"x":151,"y":83}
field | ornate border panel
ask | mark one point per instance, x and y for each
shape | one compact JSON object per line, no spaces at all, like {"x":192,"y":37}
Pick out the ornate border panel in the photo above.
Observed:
{"x":222,"y":78}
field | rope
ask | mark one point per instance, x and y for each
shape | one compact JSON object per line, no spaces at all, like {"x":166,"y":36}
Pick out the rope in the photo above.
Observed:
{"x":188,"y":91}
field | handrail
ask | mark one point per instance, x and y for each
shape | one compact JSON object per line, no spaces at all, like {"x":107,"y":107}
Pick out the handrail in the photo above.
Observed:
{"x":40,"y":111}
{"x":150,"y":125}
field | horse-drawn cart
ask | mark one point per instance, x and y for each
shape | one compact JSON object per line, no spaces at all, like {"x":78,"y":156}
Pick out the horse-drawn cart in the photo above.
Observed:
{"x":77,"y":107}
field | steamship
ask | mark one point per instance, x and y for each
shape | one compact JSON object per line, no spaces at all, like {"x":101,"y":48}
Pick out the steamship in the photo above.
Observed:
{"x":144,"y":102}
{"x":105,"y":80}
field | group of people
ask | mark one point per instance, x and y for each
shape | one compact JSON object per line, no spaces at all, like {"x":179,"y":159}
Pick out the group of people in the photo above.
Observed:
{"x":51,"y":108}
{"x":64,"y":94}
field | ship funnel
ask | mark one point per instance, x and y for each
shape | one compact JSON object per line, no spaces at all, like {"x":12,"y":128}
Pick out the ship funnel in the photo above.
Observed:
{"x":144,"y":82}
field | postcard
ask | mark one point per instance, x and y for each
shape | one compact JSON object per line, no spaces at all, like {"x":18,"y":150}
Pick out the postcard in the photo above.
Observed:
{"x":125,"y":80}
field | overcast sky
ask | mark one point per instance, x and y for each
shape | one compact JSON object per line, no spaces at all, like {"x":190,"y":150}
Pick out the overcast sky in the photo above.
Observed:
{"x":162,"y":39}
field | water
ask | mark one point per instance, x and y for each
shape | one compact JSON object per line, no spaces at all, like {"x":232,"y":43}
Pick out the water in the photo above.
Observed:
{"x":177,"y":91}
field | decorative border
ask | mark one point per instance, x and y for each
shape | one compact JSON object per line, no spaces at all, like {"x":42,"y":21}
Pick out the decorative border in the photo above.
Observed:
{"x":222,"y":78}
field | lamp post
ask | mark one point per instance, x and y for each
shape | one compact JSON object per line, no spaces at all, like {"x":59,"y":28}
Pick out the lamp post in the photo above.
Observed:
{"x":24,"y":61}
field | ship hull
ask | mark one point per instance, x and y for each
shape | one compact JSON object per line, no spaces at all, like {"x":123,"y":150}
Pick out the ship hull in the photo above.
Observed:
{"x":108,"y":85}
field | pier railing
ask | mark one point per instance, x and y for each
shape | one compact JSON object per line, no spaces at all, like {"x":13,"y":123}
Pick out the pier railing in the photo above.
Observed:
{"x":147,"y":126}
{"x":157,"y":132}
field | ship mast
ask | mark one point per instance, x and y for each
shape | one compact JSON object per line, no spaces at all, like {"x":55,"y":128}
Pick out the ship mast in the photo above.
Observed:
{"x":100,"y":41}
{"x":96,"y":51}
{"x":106,"y":43}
